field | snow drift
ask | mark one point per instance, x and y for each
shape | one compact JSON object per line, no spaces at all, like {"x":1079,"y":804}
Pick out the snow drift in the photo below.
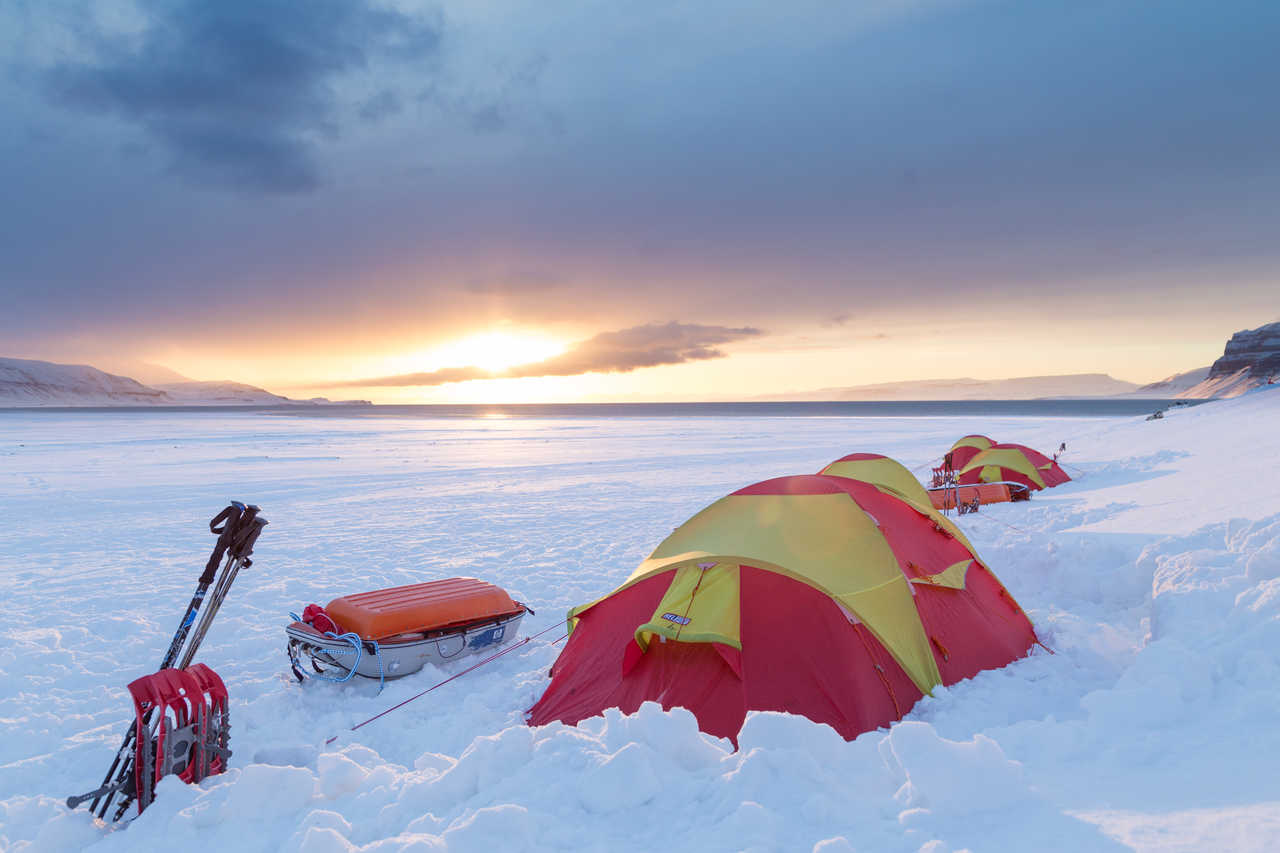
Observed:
{"x":1153,"y":726}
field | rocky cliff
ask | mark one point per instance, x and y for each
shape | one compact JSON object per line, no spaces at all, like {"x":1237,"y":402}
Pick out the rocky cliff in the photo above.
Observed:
{"x":1251,"y":358}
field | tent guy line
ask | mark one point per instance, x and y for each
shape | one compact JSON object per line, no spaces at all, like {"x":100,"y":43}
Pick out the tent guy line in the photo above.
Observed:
{"x":455,"y":676}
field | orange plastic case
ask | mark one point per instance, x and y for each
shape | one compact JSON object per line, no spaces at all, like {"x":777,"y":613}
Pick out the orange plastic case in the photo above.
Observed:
{"x":429,"y":606}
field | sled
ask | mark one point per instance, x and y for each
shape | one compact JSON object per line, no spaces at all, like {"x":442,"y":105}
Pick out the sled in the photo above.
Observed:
{"x":984,"y":493}
{"x":391,"y":633}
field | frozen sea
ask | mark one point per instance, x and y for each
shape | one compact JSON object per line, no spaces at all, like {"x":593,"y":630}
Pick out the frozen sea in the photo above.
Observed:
{"x":1154,"y":577}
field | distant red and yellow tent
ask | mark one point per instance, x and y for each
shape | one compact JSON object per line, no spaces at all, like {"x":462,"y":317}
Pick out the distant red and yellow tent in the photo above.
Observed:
{"x":1015,"y":463}
{"x":879,"y":471}
{"x":816,"y":595}
{"x":966,"y":448}
{"x":892,"y":476}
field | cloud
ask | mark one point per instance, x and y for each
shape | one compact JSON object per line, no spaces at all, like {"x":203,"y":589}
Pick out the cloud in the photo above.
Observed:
{"x":385,"y":103}
{"x":608,"y":352}
{"x":237,"y":91}
{"x":434,"y":377}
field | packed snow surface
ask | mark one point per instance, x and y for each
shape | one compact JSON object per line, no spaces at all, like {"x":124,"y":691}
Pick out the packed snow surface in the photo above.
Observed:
{"x":1154,"y":577}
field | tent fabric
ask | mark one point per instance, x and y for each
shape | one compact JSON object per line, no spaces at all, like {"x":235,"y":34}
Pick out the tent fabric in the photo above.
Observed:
{"x":807,"y":527}
{"x":966,"y":448}
{"x":701,"y":596}
{"x":890,"y":474}
{"x":1013,"y":463}
{"x":881,"y":471}
{"x":848,"y":602}
{"x":792,"y":635}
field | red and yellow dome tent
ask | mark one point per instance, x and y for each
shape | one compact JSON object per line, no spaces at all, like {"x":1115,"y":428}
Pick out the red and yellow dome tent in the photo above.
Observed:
{"x":966,"y":448}
{"x":880,"y":471}
{"x":892,"y":476}
{"x":1012,"y":463}
{"x":815,"y":595}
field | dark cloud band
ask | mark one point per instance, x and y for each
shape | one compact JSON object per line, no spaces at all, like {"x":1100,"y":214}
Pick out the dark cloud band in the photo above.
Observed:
{"x":237,"y":91}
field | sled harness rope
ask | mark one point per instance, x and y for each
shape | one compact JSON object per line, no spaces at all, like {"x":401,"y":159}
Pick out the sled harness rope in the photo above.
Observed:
{"x":357,"y":648}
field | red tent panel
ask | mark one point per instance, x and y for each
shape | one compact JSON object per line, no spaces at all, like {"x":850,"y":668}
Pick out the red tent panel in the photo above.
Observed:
{"x":799,"y":654}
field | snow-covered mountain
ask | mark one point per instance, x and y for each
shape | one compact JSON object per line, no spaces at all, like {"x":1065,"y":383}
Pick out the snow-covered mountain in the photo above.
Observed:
{"x":221,"y":393}
{"x":1020,"y":388}
{"x":24,"y":382}
{"x":1173,"y":386}
{"x":1251,"y":358}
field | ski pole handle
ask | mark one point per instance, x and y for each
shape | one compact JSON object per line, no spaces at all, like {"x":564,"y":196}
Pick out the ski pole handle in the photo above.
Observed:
{"x":229,"y":518}
{"x":243,"y":548}
{"x":230,"y":514}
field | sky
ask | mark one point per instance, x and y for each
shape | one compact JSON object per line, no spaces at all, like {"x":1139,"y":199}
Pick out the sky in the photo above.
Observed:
{"x":499,"y":201}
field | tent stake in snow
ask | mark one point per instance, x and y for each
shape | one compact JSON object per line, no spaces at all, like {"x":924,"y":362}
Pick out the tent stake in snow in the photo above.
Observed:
{"x":199,"y":723}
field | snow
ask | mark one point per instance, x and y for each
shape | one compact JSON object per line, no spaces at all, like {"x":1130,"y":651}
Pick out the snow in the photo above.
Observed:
{"x":1175,"y":385}
{"x":1154,"y":577}
{"x":1231,"y":384}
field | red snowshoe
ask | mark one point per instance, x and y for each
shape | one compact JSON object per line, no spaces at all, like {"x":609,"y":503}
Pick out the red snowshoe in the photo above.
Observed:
{"x":182,"y":727}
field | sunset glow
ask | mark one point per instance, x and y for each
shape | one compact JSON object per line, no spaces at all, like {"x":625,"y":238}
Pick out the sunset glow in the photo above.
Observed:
{"x":494,"y":351}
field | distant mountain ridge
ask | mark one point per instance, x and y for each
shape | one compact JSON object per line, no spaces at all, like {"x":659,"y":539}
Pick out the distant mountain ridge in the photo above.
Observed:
{"x":1250,"y":358}
{"x":31,"y":383}
{"x":192,"y":392}
{"x":25,"y":382}
{"x":1018,"y":388}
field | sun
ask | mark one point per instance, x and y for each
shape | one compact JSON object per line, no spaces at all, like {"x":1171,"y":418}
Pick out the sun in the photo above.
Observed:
{"x":497,"y":351}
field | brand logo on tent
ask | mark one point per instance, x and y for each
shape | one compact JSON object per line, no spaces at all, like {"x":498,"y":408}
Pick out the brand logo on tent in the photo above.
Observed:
{"x":679,"y":620}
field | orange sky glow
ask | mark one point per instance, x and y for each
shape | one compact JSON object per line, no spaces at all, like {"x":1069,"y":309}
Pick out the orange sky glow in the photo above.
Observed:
{"x":790,"y":360}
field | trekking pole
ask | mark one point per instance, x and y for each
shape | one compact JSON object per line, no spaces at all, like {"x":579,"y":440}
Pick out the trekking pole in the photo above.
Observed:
{"x":241,"y":541}
{"x":230,"y":519}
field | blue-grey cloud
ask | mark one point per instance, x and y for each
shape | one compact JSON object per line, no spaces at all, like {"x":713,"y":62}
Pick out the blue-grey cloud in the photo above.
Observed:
{"x":621,"y":351}
{"x":385,"y":103}
{"x":237,"y":91}
{"x":746,"y":162}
